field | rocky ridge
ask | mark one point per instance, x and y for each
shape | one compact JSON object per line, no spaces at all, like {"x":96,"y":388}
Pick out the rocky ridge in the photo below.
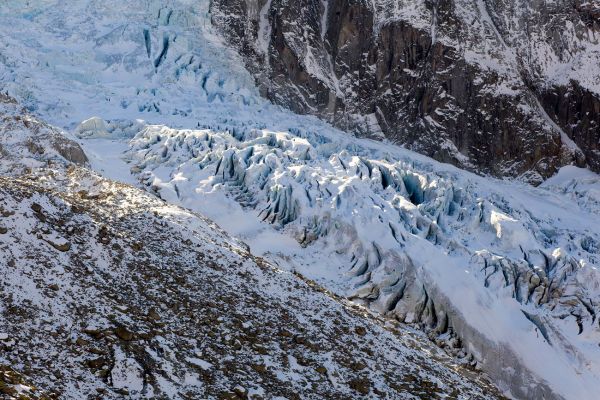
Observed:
{"x":491,"y":86}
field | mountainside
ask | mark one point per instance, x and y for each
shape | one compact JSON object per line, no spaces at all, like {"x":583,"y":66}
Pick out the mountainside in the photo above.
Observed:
{"x":109,"y":292}
{"x":507,"y":87}
{"x":495,"y":273}
{"x":460,"y":276}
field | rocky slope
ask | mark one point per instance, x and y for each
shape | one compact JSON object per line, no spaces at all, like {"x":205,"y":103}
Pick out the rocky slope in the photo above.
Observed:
{"x":506,"y":87}
{"x":29,"y":143}
{"x":109,"y":292}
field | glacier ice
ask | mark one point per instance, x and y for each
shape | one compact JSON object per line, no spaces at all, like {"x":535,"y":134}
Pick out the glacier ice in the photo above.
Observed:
{"x":480,"y":265}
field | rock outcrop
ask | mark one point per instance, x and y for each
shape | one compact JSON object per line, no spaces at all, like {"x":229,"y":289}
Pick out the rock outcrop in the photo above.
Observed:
{"x":27,"y":142}
{"x":489,"y":85}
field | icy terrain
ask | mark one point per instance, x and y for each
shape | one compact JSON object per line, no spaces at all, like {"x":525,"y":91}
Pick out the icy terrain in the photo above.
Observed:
{"x":109,"y":292}
{"x":500,"y":274}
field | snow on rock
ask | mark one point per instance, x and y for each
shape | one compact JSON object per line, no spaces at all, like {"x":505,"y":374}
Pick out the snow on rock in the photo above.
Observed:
{"x":143,"y":284}
{"x":14,"y":385}
{"x":27,"y":142}
{"x":126,"y":373}
{"x":382,"y":68}
{"x":495,"y":272}
{"x":58,"y":242}
{"x":205,"y":365}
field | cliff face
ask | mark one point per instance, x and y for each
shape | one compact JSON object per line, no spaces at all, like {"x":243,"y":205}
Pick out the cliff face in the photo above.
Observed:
{"x":505,"y":87}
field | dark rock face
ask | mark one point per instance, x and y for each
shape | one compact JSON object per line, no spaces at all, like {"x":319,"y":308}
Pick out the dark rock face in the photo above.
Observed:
{"x":563,"y":34}
{"x":577,"y":111}
{"x":476,"y":84}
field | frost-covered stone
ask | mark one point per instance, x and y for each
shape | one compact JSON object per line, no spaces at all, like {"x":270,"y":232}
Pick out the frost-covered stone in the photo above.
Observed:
{"x":27,"y":142}
{"x":507,"y":87}
{"x":127,"y":373}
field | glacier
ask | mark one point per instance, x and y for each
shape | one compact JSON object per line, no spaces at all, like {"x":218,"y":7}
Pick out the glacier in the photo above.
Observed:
{"x":501,"y":275}
{"x":498,"y":273}
{"x":110,"y":292}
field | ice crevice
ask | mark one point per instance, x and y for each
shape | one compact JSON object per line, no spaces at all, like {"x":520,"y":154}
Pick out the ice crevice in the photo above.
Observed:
{"x":163,"y":53}
{"x":407,"y":240}
{"x":148,"y":42}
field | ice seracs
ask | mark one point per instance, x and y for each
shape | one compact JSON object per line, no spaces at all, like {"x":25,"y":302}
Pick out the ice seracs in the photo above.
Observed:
{"x":496,"y":272}
{"x":94,"y":127}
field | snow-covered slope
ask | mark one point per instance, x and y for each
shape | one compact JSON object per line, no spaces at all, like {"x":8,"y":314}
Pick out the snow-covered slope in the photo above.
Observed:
{"x":501,"y":275}
{"x":109,"y":292}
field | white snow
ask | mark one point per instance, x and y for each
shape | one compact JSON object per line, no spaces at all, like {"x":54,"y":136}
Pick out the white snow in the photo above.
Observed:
{"x":264,"y":30}
{"x":107,"y":157}
{"x":94,"y":127}
{"x":126,"y":373}
{"x":571,"y":174}
{"x":205,"y":365}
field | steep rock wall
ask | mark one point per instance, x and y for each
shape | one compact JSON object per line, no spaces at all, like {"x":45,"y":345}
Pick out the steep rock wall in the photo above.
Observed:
{"x":488,"y":86}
